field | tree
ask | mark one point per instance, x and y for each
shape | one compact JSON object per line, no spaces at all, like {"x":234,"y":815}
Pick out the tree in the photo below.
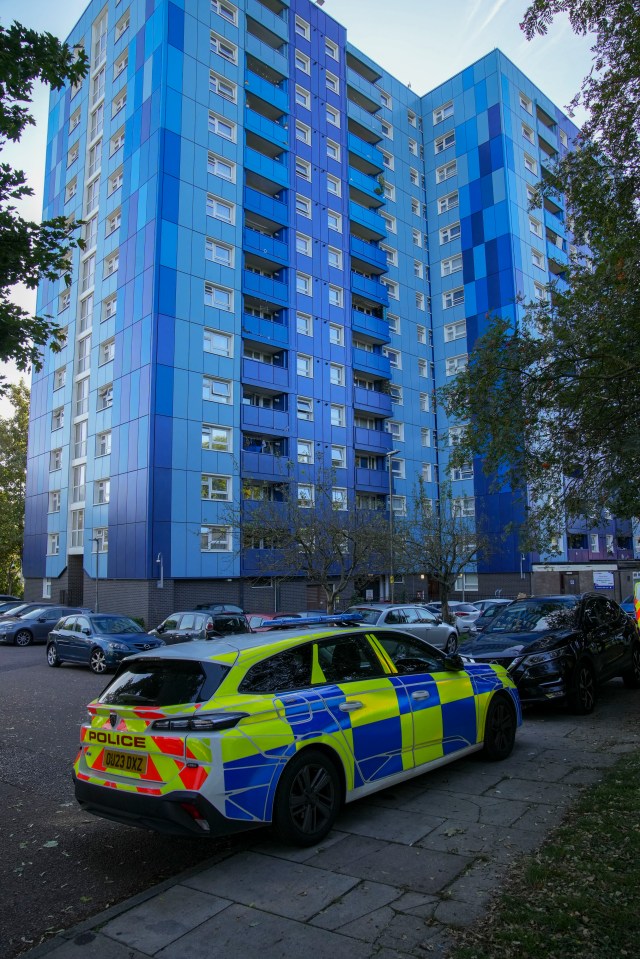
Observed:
{"x":13,"y":470}
{"x":315,"y":538}
{"x":550,"y":401}
{"x":29,"y":251}
{"x":437,"y":539}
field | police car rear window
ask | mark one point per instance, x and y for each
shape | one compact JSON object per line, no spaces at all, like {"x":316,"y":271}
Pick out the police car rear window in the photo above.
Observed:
{"x":155,"y":682}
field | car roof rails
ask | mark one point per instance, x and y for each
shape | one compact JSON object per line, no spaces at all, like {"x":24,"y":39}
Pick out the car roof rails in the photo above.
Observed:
{"x":326,"y":619}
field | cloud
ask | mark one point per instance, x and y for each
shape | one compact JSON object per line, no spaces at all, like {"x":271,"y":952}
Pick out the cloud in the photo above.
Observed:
{"x":493,"y":13}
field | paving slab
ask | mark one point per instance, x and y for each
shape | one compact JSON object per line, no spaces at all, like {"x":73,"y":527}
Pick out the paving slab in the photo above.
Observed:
{"x":473,"y":808}
{"x":296,"y":891}
{"x":363,"y":899}
{"x":90,"y":944}
{"x":535,"y":792}
{"x":479,"y":839}
{"x":391,"y":825}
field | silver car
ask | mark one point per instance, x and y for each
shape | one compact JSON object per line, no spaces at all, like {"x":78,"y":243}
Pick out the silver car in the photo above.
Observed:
{"x":416,"y":620}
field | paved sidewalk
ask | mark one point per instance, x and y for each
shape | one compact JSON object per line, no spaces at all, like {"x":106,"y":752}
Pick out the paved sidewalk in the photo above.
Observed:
{"x":401,"y":870}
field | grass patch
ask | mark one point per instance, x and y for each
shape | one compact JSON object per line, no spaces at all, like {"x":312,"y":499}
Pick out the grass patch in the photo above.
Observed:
{"x":577,"y":897}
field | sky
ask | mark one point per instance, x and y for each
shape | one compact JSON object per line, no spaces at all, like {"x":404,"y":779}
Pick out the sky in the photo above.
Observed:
{"x":453,"y":34}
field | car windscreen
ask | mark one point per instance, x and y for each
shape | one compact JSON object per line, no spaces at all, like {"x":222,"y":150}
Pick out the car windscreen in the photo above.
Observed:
{"x":533,"y":617}
{"x":115,"y":624}
{"x":34,"y":613}
{"x":163,"y":682}
{"x":366,"y":615}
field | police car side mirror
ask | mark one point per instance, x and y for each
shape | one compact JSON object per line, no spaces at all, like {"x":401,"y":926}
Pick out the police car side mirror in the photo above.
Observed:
{"x":453,"y":663}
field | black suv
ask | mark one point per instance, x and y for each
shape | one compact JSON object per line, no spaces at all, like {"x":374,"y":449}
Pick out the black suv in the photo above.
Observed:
{"x":200,"y":624}
{"x":562,"y":647}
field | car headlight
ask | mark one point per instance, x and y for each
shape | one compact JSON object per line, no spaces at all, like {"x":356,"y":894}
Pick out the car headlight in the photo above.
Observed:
{"x":536,"y":658}
{"x":119,"y":647}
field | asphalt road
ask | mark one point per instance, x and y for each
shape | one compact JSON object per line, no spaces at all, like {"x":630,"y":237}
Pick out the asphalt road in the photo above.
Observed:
{"x":59,"y":865}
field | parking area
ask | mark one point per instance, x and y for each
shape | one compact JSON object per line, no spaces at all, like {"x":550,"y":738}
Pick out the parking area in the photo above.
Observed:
{"x":399,"y":871}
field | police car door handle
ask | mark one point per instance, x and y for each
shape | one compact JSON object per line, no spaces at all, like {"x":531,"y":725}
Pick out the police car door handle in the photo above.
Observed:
{"x":420,"y":694}
{"x":351,"y":706}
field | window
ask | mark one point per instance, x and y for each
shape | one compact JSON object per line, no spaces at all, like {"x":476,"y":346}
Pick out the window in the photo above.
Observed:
{"x":530,"y":164}
{"x":398,"y":468}
{"x":101,"y":534}
{"x":71,"y":189}
{"x":424,"y":402}
{"x":443,"y":112}
{"x":450,"y":232}
{"x":455,"y":331}
{"x":338,"y":457}
{"x":302,"y":62}
{"x":390,"y":222}
{"x":331,"y":49}
{"x":594,"y":542}
{"x":96,"y":123}
{"x":81,"y":397}
{"x":215,"y":487}
{"x":332,"y":81}
{"x":411,"y":117}
{"x":414,"y":176}
{"x":333,"y":150}
{"x":387,"y":160}
{"x":218,"y":252}
{"x":453,"y":297}
{"x":333,"y":116}
{"x":415,"y":207}
{"x":114,"y":182}
{"x":339,"y":497}
{"x":220,"y":209}
{"x":105,"y":397}
{"x":64,"y":301}
{"x":303,"y":132}
{"x":303,"y":244}
{"x":456,"y":435}
{"x":525,"y":103}
{"x":103,"y":443}
{"x":448,"y":202}
{"x":121,"y":27}
{"x":535,"y":227}
{"x":109,"y":306}
{"x":116,"y":141}
{"x":336,"y":374}
{"x":420,"y":301}
{"x":55,"y":460}
{"x":215,"y":539}
{"x":336,"y":334}
{"x":422,"y":368}
{"x":468,"y":583}
{"x":217,"y":438}
{"x":396,"y":429}
{"x":337,"y":415}
{"x":113,"y":222}
{"x":528,"y":134}
{"x":302,"y":28}
{"x":101,"y":492}
{"x":221,"y":126}
{"x":413,"y":147}
{"x":303,"y":97}
{"x":57,"y":418}
{"x":59,"y":378}
{"x":304,"y":284}
{"x":421,"y":334}
{"x":119,"y":103}
{"x":78,"y":483}
{"x":219,"y":343}
{"x":73,"y":154}
{"x":216,"y":390}
{"x":537,"y":259}
{"x":304,"y":365}
{"x":218,"y":166}
{"x":426,"y":472}
{"x":53,"y":544}
{"x":222,"y":87}
{"x":385,"y":100}
{"x":563,"y":138}
{"x":451,"y":264}
{"x":464,"y":472}
{"x":395,"y":361}
{"x":306,"y":495}
{"x":395,"y":392}
{"x":54,"y":501}
{"x":107,"y":351}
{"x":224,"y":48}
{"x":305,"y":451}
{"x":120,"y":65}
{"x":333,"y":185}
{"x":455,"y":364}
{"x":74,"y":120}
{"x":303,"y":205}
{"x":303,"y":324}
{"x":335,"y":296}
{"x":111,"y":264}
{"x":447,"y":171}
{"x":334,"y":221}
{"x":304,"y":408}
{"x":540,"y":292}
{"x":77,"y":528}
{"x":399,"y":504}
{"x":444,"y":142}
{"x":334,"y":258}
{"x":464,"y":506}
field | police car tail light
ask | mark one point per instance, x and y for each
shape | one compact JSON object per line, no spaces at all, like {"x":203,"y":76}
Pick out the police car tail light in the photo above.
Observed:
{"x":200,"y":723}
{"x":196,"y":815}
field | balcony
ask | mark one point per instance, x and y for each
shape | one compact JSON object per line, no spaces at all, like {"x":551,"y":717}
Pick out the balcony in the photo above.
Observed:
{"x":368,"y":186}
{"x":372,"y":481}
{"x":366,"y":152}
{"x":374,"y":327}
{"x":368,"y":253}
{"x":262,"y":88}
{"x":368,"y":121}
{"x":265,"y":288}
{"x":263,"y":465}
{"x":267,"y":331}
{"x":554,"y":221}
{"x":558,"y":259}
{"x":266,"y":246}
{"x":265,"y":128}
{"x":270,"y":20}
{"x":266,"y":54}
{"x":274,"y":170}
{"x":369,"y":288}
{"x":270,"y":421}
{"x":371,"y":401}
{"x":370,"y":222}
{"x":367,"y":90}
{"x":372,"y":441}
{"x":264,"y":374}
{"x":266,"y":206}
{"x":373,"y":363}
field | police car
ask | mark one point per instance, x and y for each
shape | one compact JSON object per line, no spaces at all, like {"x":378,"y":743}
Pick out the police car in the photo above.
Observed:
{"x":282,"y":728}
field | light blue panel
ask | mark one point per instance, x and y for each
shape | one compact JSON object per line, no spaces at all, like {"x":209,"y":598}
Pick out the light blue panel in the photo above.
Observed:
{"x":168,"y":243}
{"x":173,"y":112}
{"x":175,"y":65}
{"x":183,"y":295}
{"x":499,"y":186}
{"x":180,"y":393}
{"x":479,"y":262}
{"x":492,"y":89}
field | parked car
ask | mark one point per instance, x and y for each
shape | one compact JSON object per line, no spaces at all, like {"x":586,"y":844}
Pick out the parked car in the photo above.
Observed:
{"x":6,"y":598}
{"x":465,"y":613}
{"x":282,"y":728}
{"x":259,"y":622}
{"x":562,"y":647}
{"x":97,"y":640}
{"x":14,"y":610}
{"x":483,"y":604}
{"x":220,"y":607}
{"x":416,"y":620}
{"x":34,"y":625}
{"x":489,"y":612}
{"x":629,"y":606}
{"x":193,"y":624}
{"x":10,"y":604}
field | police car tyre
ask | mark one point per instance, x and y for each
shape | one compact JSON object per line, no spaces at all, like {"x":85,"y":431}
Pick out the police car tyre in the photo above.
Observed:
{"x":23,"y":638}
{"x":631,"y":678}
{"x":583,"y":689}
{"x":308,"y":798}
{"x":52,"y":655}
{"x":98,"y":661}
{"x":452,"y":644}
{"x":499,"y":729}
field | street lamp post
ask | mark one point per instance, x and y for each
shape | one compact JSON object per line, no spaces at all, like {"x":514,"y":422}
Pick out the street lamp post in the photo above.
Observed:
{"x":389,"y":456}
{"x":97,"y":542}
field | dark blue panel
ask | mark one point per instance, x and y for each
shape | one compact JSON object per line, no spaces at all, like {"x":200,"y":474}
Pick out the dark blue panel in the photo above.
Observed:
{"x":468,"y":266}
{"x":493,"y":114}
{"x":458,"y":724}
{"x":486,"y":186}
{"x":164,"y":390}
{"x":481,"y":96}
{"x":491,"y":257}
{"x":484,"y":158}
{"x":176,"y":27}
{"x":497,"y":160}
{"x":145,"y":122}
{"x":477,"y":228}
{"x":482,"y":298}
{"x":171,"y":152}
{"x":166,"y":290}
{"x":375,"y":742}
{"x":170,"y":198}
{"x":162,"y":441}
{"x":161,"y":492}
{"x":140,"y":49}
{"x":475,"y":197}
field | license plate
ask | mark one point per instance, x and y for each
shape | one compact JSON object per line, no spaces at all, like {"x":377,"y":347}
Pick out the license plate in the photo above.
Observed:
{"x":125,"y":762}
